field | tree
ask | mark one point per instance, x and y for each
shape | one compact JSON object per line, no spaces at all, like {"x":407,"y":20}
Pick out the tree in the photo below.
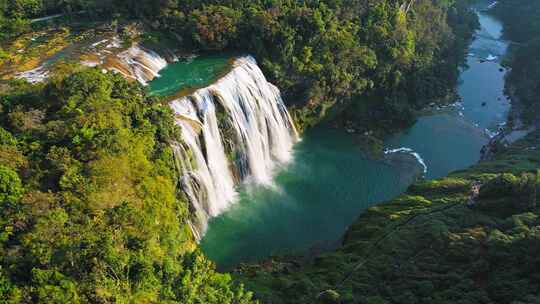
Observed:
{"x":214,"y":27}
{"x":6,"y":138}
{"x":11,"y":189}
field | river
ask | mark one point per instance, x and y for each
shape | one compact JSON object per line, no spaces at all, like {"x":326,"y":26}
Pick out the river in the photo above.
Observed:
{"x":330,"y":181}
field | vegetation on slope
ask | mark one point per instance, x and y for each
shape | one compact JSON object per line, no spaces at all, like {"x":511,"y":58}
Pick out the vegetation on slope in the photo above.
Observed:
{"x":438,"y":243}
{"x":90,"y":209}
{"x":522,"y":27}
{"x":352,"y":59}
{"x":472,"y":237}
{"x":89,"y":206}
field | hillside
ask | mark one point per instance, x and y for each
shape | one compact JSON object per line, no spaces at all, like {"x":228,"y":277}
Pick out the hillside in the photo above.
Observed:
{"x":343,"y":61}
{"x":93,"y":208}
{"x":471,"y":237}
{"x":440,"y":242}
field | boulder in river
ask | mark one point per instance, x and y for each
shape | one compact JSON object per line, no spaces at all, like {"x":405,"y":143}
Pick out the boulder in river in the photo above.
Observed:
{"x":413,"y":165}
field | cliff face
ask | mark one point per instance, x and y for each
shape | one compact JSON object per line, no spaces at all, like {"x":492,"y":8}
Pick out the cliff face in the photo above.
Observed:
{"x":472,"y":237}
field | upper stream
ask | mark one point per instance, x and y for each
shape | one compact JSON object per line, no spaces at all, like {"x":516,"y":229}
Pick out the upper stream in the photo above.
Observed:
{"x":329,"y":182}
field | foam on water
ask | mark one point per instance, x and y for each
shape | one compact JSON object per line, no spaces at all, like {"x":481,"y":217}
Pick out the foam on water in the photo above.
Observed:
{"x":411,"y":152}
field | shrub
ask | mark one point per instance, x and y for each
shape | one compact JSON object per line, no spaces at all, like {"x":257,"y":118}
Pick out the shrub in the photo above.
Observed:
{"x":11,"y":189}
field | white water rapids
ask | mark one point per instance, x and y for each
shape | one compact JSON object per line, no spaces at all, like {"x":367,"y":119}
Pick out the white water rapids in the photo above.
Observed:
{"x":410,"y":152}
{"x":236,"y":130}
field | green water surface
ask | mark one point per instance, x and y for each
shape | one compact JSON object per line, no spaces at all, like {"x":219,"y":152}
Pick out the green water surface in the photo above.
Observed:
{"x":311,"y":202}
{"x":188,"y":73}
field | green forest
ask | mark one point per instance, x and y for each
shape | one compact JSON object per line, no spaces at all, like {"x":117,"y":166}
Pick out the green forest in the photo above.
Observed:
{"x":373,"y":58}
{"x":90,"y":205}
{"x":440,"y":242}
{"x":522,"y":27}
{"x":90,"y":211}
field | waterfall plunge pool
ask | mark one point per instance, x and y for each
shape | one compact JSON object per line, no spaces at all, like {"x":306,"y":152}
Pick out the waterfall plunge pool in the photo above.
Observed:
{"x":323,"y":190}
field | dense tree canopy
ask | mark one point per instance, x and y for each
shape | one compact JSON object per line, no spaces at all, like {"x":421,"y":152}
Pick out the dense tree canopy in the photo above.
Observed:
{"x":522,"y":27}
{"x":10,"y":186}
{"x":91,"y":210}
{"x":89,"y":205}
{"x":328,"y":57}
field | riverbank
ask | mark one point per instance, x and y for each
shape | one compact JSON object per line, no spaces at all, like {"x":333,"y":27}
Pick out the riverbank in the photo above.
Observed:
{"x":524,"y":70}
{"x":435,"y":243}
{"x":522,"y":81}
{"x":469,"y":237}
{"x":515,"y":128}
{"x":331,"y":179}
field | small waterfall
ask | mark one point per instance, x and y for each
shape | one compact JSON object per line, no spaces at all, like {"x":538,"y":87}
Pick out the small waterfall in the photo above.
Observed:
{"x":138,"y":63}
{"x":236,"y":130}
{"x":36,"y":75}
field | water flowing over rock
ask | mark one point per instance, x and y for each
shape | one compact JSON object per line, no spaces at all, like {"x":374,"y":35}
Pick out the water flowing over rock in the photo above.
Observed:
{"x":236,"y":130}
{"x":138,"y":63}
{"x":36,"y":75}
{"x":412,"y":153}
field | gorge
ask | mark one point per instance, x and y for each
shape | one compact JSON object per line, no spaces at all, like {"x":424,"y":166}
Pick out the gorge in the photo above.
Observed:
{"x":311,"y":201}
{"x":238,"y":146}
{"x":276,"y":152}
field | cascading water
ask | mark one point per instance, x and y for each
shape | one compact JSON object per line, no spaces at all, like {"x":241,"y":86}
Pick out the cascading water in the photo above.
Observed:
{"x":135,"y":63}
{"x":236,"y":130}
{"x":138,"y":63}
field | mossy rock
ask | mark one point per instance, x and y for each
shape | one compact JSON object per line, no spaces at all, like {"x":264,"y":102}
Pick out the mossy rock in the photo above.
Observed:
{"x":444,"y":186}
{"x":329,"y":297}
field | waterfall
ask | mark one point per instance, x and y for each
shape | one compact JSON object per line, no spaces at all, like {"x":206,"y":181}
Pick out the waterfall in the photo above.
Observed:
{"x":236,"y":130}
{"x":36,"y":75}
{"x":138,"y":63}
